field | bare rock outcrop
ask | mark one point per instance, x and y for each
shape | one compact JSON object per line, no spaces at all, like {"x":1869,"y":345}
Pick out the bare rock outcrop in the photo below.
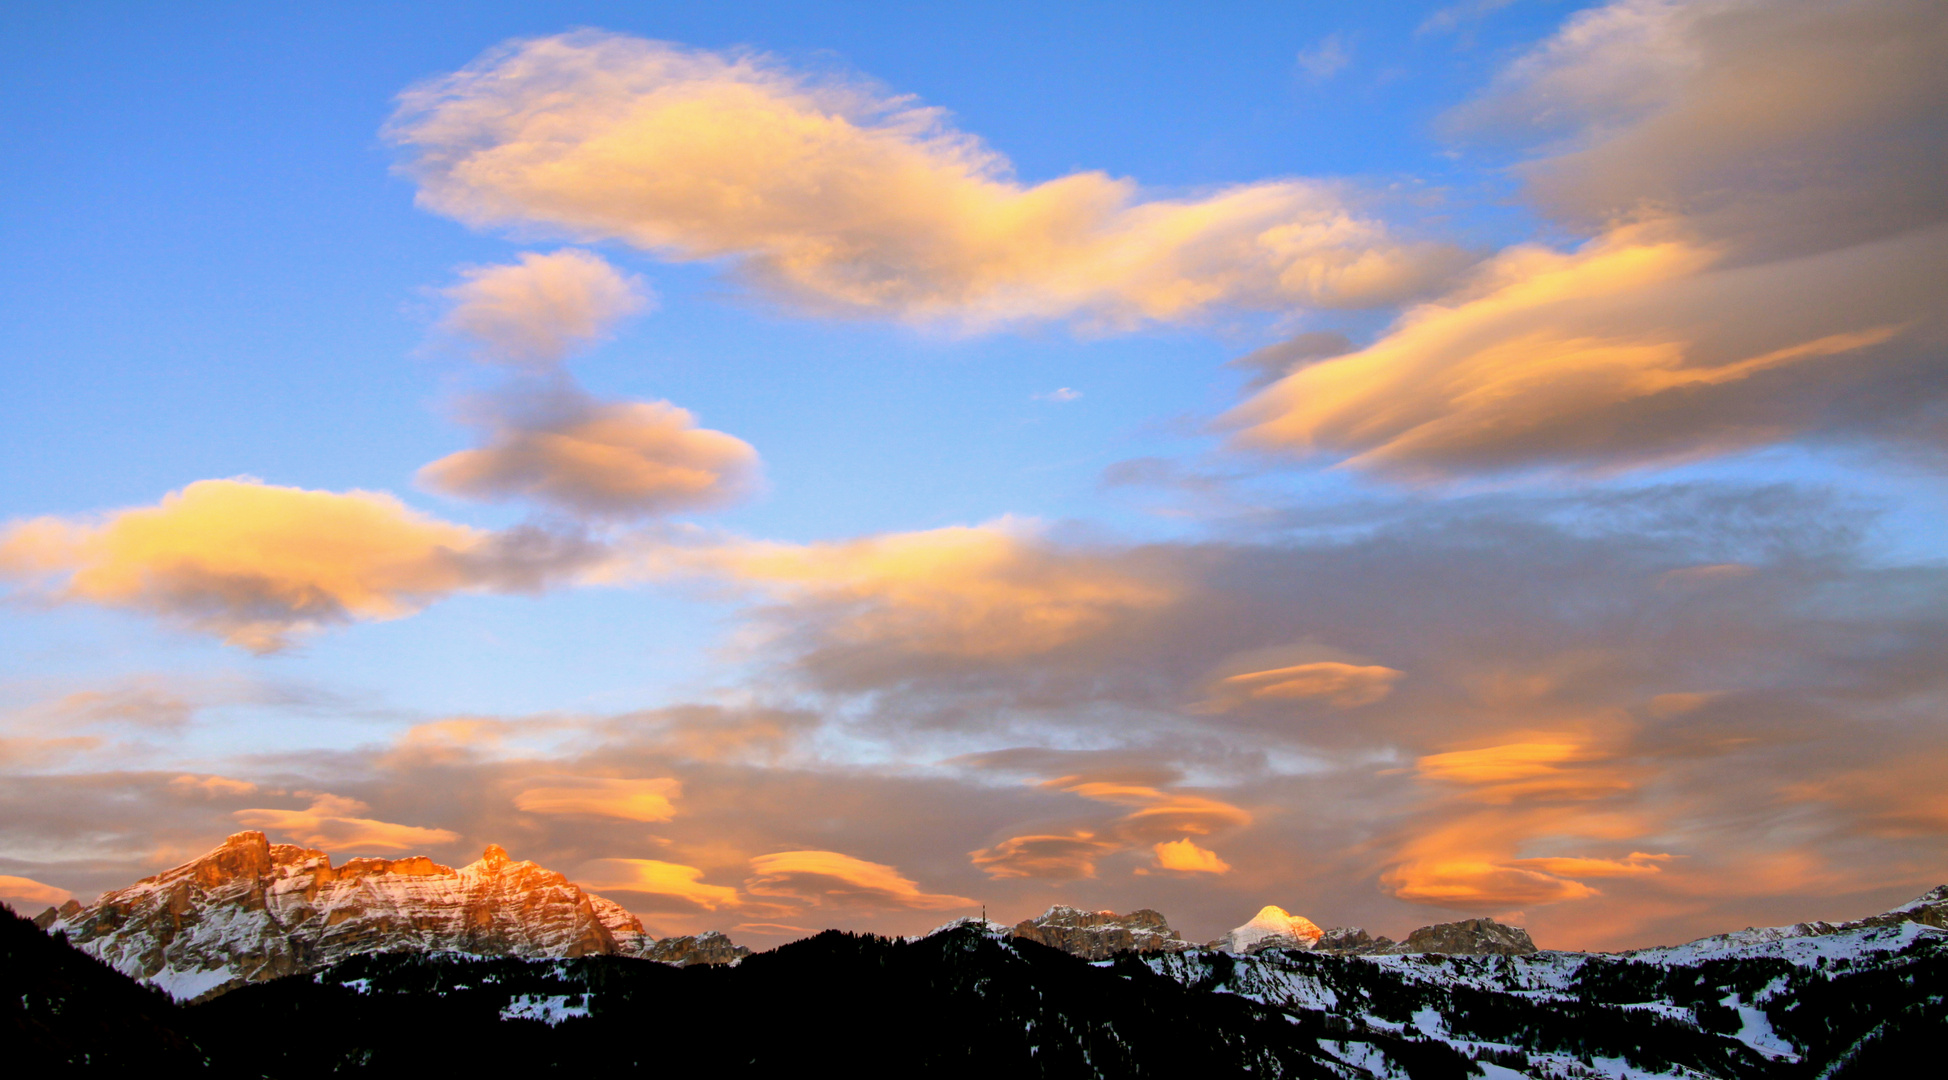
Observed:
{"x":1099,"y":935}
{"x":709,"y":947}
{"x":252,"y":910}
{"x":1351,"y":940}
{"x":1469,"y":937}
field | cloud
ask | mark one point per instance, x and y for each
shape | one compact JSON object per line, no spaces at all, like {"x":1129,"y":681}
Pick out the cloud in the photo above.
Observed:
{"x":1523,"y":761}
{"x":818,"y":876}
{"x":629,"y":800}
{"x":602,"y":460}
{"x":1327,"y":58}
{"x":212,"y":787}
{"x":838,"y":197}
{"x":1186,"y":857}
{"x":1343,"y":685}
{"x":1553,"y":766}
{"x":1767,"y":245}
{"x":1061,"y":395}
{"x":1275,"y":361}
{"x":23,"y":893}
{"x":533,"y":313}
{"x":656,"y":878}
{"x":1157,"y":811}
{"x":1047,"y":856}
{"x":142,"y":705}
{"x":1636,"y":863}
{"x":328,"y":823}
{"x":986,"y":593}
{"x":258,"y":563}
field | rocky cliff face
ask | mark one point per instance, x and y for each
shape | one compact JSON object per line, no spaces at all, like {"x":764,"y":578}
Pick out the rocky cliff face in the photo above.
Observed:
{"x":1469,"y":937}
{"x":252,"y":910}
{"x":1350,"y":939}
{"x":1099,"y":935}
{"x":709,"y":947}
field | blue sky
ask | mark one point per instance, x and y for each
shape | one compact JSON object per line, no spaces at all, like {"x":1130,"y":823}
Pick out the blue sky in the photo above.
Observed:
{"x":982,"y":543}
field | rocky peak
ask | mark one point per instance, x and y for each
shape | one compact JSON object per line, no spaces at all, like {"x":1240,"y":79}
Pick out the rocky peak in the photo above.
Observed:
{"x":251,"y":910}
{"x":1350,"y":939}
{"x":709,"y":947}
{"x":1469,"y":937}
{"x":1098,"y":935}
{"x":1272,"y":928}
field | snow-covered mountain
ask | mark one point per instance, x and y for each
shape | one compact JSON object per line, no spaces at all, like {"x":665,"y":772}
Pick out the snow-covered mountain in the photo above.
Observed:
{"x":1272,"y":927}
{"x":1847,"y":1001}
{"x":252,"y":910}
{"x":1814,"y":999}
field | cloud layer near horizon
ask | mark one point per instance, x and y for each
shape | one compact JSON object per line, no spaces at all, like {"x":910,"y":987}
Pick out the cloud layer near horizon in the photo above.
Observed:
{"x":837,"y":196}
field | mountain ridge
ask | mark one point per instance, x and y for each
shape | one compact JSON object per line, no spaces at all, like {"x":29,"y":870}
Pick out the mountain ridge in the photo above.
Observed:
{"x":250,"y":911}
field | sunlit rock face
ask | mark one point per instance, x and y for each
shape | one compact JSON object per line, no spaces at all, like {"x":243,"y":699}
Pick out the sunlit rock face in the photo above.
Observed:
{"x":1099,"y":935}
{"x":1469,"y":937}
{"x":1272,"y":928}
{"x":252,"y":910}
{"x":709,"y":947}
{"x":1350,"y":939}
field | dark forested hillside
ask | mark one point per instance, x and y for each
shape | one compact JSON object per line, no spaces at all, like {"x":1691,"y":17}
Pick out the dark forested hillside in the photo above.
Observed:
{"x":961,"y":1003}
{"x":64,"y":1010}
{"x":970,"y":1001}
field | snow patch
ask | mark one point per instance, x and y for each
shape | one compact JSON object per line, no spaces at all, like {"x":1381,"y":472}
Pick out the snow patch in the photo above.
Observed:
{"x":550,"y":1010}
{"x":188,"y":985}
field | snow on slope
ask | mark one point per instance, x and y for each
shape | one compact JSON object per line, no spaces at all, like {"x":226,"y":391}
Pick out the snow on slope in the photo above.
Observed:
{"x":1272,"y":926}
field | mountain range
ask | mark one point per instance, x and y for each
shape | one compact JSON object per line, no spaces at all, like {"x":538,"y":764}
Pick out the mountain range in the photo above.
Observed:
{"x":502,"y":965}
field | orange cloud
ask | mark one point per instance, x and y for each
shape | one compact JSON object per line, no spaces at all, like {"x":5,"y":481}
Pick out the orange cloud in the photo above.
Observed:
{"x":602,"y":460}
{"x":841,"y":198}
{"x":1768,"y":245}
{"x":1467,"y":862}
{"x":629,"y":800}
{"x":328,"y":823}
{"x":658,"y":879}
{"x":816,"y":876}
{"x":1158,"y":811}
{"x":1548,"y":766}
{"x":992,"y":591}
{"x":1187,"y":857}
{"x":211,"y":787}
{"x":1053,"y":857}
{"x":1542,"y":358}
{"x":31,"y":892}
{"x":257,"y":563}
{"x":1636,"y":864}
{"x":534,"y":312}
{"x":1344,"y":685}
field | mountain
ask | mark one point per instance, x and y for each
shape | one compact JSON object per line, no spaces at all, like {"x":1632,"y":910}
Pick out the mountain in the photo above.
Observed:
{"x":1853,"y":1001}
{"x":1098,"y":935}
{"x":1272,"y":927}
{"x":252,"y":910}
{"x":964,"y":1002}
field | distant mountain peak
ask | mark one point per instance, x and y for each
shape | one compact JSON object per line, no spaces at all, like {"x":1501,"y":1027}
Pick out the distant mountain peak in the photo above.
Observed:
{"x":1098,"y":935}
{"x":1272,"y":927}
{"x":250,"y":910}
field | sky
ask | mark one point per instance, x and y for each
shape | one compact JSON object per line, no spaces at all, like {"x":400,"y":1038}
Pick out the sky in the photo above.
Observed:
{"x":789,"y":466}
